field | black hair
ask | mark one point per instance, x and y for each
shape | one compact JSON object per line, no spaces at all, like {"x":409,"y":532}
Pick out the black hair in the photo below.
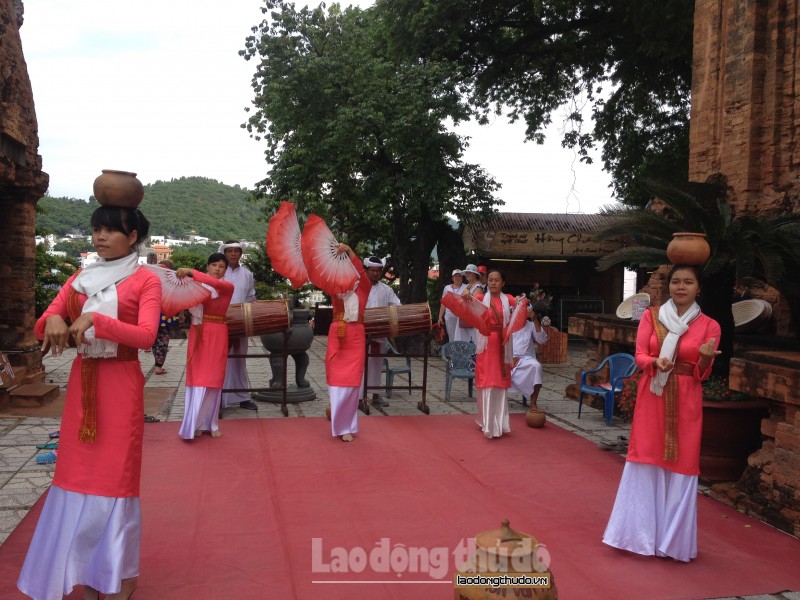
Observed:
{"x":498,"y":271}
{"x":696,"y":269}
{"x":167,"y":263}
{"x":125,"y":220}
{"x":216,"y":257}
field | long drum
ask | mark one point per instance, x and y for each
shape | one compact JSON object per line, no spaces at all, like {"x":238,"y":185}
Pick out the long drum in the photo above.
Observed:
{"x":257,"y":318}
{"x":393,"y":321}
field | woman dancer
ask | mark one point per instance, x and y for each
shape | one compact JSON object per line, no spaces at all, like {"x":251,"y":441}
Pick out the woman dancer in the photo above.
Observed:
{"x":89,"y":531}
{"x":344,"y":359}
{"x":494,"y":362}
{"x":655,"y":512}
{"x":207,"y":353}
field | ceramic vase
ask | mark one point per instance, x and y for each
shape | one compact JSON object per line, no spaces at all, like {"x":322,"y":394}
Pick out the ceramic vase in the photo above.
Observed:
{"x":535,"y":418}
{"x":688,"y":249}
{"x":118,"y":188}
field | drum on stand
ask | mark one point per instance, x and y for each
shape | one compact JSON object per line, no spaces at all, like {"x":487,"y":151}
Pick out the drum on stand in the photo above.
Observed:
{"x":394,"y":321}
{"x":250,"y":319}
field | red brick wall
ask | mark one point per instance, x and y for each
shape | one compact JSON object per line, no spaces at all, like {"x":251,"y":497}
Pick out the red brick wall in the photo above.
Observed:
{"x":745,"y":120}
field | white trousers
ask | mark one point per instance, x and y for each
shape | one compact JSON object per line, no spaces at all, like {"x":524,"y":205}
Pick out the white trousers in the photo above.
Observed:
{"x":655,"y":513}
{"x":344,"y":409}
{"x":201,"y":411}
{"x":236,"y":374}
{"x":82,"y":539}
{"x":492,"y":412}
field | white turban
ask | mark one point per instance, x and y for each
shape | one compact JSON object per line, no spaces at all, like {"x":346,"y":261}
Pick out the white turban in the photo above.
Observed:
{"x":224,"y":247}
{"x":373,"y":261}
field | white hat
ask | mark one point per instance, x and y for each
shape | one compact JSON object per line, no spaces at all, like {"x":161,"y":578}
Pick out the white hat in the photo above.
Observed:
{"x":471,"y":269}
{"x":456,"y":272}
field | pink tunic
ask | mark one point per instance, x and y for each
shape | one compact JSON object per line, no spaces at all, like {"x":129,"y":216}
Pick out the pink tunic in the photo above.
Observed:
{"x":112,"y":464}
{"x":647,"y":433}
{"x":207,"y":353}
{"x":344,"y":359}
{"x":488,"y":371}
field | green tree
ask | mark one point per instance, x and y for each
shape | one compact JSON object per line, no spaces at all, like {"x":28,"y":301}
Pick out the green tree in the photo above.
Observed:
{"x":630,"y":61}
{"x":269,"y":284}
{"x":360,"y":138}
{"x":74,"y":247}
{"x":763,"y":250}
{"x":52,"y":272}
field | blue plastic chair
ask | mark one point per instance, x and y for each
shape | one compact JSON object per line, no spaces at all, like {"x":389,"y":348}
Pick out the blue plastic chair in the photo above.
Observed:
{"x":620,"y":367}
{"x":395,"y":369}
{"x":458,"y":364}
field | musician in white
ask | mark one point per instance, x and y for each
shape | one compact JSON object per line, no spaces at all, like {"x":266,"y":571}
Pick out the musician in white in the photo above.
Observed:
{"x":446,"y":316}
{"x":380,"y":295}
{"x":526,"y":376}
{"x":244,"y":291}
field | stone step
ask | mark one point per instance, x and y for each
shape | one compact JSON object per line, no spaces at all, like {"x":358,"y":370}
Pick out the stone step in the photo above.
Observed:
{"x":33,"y":394}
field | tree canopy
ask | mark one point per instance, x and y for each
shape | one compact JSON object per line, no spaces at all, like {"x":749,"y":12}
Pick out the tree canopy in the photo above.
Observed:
{"x":630,"y":61}
{"x":360,"y":137}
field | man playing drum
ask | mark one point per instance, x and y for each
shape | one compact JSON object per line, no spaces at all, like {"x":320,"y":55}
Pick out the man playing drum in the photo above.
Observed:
{"x":380,"y":295}
{"x":243,"y":291}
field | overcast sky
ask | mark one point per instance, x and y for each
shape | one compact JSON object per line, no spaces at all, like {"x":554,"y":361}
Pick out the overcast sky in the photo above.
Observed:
{"x":158,"y":87}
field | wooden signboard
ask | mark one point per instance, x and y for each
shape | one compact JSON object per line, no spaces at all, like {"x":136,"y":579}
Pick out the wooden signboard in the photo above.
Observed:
{"x":543,"y":244}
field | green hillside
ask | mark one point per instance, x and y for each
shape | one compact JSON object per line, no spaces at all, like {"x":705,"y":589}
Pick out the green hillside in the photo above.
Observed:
{"x":176,"y":209}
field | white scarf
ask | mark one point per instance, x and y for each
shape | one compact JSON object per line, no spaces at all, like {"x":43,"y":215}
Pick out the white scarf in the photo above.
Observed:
{"x":483,"y":340}
{"x":99,"y":282}
{"x":677,"y":326}
{"x":350,"y":301}
{"x":197,"y":310}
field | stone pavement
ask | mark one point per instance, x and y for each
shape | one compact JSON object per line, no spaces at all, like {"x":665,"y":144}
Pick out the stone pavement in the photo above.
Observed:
{"x":22,"y":481}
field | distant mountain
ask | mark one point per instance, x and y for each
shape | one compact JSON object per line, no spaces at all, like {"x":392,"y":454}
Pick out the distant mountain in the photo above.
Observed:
{"x":176,"y":209}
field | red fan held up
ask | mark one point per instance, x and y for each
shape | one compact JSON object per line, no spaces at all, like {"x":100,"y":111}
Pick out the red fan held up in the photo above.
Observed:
{"x":283,"y":245}
{"x":331,"y":272}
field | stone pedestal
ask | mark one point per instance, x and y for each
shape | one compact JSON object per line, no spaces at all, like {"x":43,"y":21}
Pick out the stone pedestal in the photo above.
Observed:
{"x":299,"y":341}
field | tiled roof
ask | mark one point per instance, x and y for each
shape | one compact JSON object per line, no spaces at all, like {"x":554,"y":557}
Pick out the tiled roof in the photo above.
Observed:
{"x":542,"y":222}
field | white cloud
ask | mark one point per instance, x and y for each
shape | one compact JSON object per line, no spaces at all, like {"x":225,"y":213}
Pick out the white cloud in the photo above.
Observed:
{"x":159,"y":88}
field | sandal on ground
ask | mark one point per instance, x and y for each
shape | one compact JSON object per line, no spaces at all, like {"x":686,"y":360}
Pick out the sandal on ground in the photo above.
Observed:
{"x":151,"y":419}
{"x":54,"y":434}
{"x":48,"y":458}
{"x":48,"y":446}
{"x":160,"y":371}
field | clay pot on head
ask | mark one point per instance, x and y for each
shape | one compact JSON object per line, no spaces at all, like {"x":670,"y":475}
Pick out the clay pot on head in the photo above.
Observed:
{"x":118,"y":188}
{"x":688,"y":249}
{"x":535,"y":418}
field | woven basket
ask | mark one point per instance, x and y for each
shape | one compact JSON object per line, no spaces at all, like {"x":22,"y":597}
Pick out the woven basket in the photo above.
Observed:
{"x":625,"y":310}
{"x":749,"y":315}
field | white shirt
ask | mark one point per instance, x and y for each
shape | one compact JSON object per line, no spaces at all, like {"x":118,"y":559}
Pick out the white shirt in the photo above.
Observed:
{"x":244,"y":289}
{"x":382,"y":295}
{"x":524,"y":339}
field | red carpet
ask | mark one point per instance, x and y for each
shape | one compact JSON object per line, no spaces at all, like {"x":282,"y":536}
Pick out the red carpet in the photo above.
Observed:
{"x":235,"y":517}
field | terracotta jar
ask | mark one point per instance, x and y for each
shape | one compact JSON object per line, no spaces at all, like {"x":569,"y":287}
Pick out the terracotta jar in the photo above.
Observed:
{"x":535,"y":418}
{"x":688,"y":249}
{"x":118,"y":188}
{"x":506,"y":551}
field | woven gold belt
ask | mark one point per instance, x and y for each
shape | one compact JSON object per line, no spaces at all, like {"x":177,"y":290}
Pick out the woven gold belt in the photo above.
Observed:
{"x":683,"y":368}
{"x":88,"y":428}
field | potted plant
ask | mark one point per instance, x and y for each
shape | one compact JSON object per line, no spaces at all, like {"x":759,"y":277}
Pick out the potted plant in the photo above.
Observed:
{"x":731,"y":430}
{"x":731,"y":426}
